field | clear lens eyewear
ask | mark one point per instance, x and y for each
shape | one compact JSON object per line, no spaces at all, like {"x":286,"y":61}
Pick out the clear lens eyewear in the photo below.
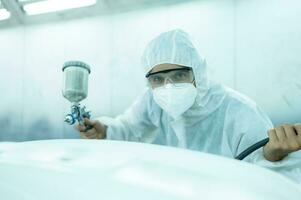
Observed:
{"x":183,"y":75}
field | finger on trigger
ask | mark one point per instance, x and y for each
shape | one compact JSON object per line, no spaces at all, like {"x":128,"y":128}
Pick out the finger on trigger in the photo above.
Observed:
{"x":82,"y":128}
{"x":89,"y":122}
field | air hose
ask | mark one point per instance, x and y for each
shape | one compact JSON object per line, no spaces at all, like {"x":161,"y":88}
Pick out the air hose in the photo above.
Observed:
{"x":252,"y":148}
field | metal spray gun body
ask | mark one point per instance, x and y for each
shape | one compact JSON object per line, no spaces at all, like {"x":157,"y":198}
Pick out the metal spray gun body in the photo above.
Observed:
{"x":75,"y":90}
{"x":78,"y":113}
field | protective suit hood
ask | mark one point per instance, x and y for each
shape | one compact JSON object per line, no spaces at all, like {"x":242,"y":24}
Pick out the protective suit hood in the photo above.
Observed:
{"x":175,"y":47}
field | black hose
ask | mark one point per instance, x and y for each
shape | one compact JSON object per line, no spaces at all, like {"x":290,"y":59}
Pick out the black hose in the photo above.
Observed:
{"x":252,"y":148}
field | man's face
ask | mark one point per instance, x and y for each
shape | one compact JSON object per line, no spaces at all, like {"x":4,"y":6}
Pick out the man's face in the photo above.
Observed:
{"x":169,"y":73}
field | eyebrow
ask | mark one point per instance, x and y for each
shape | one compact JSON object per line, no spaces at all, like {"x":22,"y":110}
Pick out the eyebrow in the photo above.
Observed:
{"x":167,"y":70}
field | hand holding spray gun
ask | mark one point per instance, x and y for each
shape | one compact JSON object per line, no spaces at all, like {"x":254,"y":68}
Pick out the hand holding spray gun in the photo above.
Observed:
{"x":75,"y":90}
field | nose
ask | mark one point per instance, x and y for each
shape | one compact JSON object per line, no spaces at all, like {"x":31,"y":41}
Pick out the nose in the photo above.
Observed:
{"x":167,"y":80}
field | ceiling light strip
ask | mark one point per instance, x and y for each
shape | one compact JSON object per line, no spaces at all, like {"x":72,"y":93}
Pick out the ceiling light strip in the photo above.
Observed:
{"x":55,"y":5}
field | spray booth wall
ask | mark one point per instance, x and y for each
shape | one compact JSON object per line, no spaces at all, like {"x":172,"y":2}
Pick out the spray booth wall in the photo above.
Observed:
{"x":250,"y":45}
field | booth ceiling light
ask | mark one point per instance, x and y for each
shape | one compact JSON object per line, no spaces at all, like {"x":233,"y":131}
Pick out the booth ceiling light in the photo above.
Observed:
{"x":55,"y":5}
{"x":4,"y":14}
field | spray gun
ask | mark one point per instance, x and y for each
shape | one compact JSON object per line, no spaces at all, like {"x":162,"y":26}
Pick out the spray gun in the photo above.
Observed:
{"x":75,"y":89}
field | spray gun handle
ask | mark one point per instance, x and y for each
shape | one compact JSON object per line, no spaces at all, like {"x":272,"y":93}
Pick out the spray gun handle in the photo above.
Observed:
{"x":86,"y":114}
{"x":81,"y":122}
{"x":79,"y":113}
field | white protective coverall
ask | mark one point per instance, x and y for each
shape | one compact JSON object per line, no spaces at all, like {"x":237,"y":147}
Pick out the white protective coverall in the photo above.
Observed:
{"x":221,"y":121}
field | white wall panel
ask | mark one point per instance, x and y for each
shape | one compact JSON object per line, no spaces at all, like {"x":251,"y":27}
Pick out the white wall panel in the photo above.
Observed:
{"x":268,"y":56}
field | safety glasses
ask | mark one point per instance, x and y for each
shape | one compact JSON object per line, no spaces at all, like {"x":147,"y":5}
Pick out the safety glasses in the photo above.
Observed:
{"x":179,"y":75}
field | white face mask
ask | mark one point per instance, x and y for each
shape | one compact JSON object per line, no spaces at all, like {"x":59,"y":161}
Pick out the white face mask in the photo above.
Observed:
{"x":175,"y":99}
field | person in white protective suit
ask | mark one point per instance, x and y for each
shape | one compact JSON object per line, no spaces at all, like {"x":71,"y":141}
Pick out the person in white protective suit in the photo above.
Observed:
{"x":182,"y":108}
